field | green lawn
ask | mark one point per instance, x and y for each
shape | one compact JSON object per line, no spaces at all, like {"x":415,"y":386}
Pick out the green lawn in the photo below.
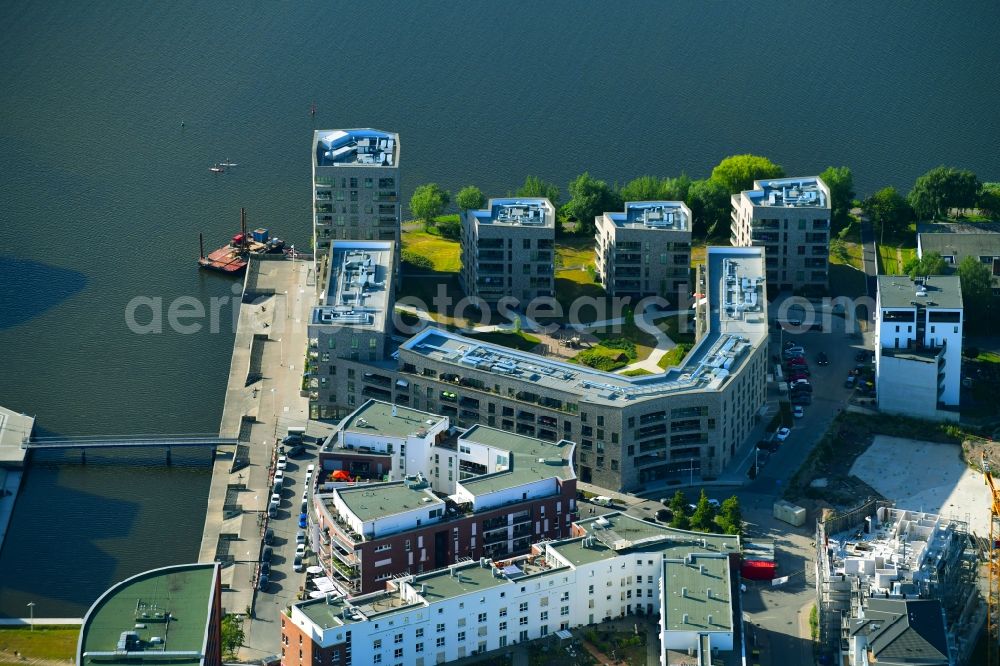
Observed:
{"x":846,"y":253}
{"x":521,"y":341}
{"x":45,"y":642}
{"x":574,"y":253}
{"x":671,"y":326}
{"x":889,"y":258}
{"x":698,"y":253}
{"x":444,"y":254}
{"x":637,"y":372}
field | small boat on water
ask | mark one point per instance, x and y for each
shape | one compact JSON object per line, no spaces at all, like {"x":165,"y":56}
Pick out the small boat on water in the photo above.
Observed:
{"x":233,"y":257}
{"x":227,"y":163}
{"x":218,"y":168}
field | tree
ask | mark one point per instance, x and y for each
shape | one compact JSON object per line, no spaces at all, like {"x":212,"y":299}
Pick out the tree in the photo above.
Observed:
{"x":730,"y":516}
{"x":989,"y":200}
{"x":470,"y":197}
{"x":678,"y":503}
{"x":840,"y":180}
{"x":589,"y":198}
{"x":977,"y":292}
{"x":710,"y":206}
{"x":737,"y":172}
{"x":232,"y":634}
{"x":680,"y":521}
{"x":930,"y":264}
{"x":703,"y":517}
{"x":942,"y":188}
{"x":888,"y":211}
{"x":536,"y":187}
{"x":428,"y":201}
{"x":643,"y":188}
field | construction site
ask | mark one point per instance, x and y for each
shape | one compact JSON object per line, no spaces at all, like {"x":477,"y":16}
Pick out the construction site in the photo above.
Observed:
{"x":882,"y":572}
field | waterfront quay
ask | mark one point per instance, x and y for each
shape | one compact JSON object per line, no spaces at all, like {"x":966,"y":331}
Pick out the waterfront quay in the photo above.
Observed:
{"x":263,"y":398}
{"x":15,"y":429}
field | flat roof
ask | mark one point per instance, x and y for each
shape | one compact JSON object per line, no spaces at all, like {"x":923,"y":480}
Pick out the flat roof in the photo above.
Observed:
{"x":356,"y":147}
{"x":359,"y":284}
{"x":653,"y":215}
{"x":899,"y":291}
{"x":375,"y":501}
{"x":801,"y":192}
{"x":699,"y":591}
{"x":173,"y":603}
{"x":328,"y":613}
{"x":737,"y":324}
{"x":381,"y":418}
{"x":531,"y":459}
{"x":456,"y":581}
{"x":523,"y":211}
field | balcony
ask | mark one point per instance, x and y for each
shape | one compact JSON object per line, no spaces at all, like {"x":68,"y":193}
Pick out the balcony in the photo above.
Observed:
{"x":490,"y":255}
{"x":623,"y":259}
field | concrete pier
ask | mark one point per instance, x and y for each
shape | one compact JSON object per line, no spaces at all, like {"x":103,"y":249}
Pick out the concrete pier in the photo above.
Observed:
{"x":15,"y":429}
{"x":263,"y":398}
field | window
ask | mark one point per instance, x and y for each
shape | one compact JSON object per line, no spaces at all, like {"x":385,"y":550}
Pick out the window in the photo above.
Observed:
{"x":545,"y":630}
{"x":461,"y":636}
{"x":398,"y":653}
{"x":420,"y":632}
{"x":523,"y":607}
{"x":523,"y":621}
{"x":503,"y":612}
{"x":420,"y":647}
{"x":377,"y":658}
{"x":440,"y":628}
{"x":503,"y":626}
{"x":397,"y":639}
{"x":544,"y":616}
{"x":482,"y":617}
{"x":377,"y":645}
{"x":439,"y":642}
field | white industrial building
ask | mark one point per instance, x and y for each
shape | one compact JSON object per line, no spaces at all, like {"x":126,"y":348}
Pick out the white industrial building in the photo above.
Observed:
{"x":614,"y":566}
{"x":918,"y":345}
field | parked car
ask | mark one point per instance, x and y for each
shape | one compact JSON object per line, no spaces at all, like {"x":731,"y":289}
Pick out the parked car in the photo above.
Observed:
{"x":796,"y":360}
{"x":303,"y":520}
{"x":263,"y":581}
{"x":782,"y":434}
{"x":292,"y":440}
{"x":800,"y":385}
{"x":265,"y":555}
{"x":602,"y":500}
{"x":310,"y":470}
{"x":801,"y":398}
{"x":794,"y":351}
{"x":849,"y":383}
{"x":797,"y":376}
{"x":265,"y":568}
{"x":282,"y":462}
{"x":268,"y":536}
{"x":297,"y":563}
{"x":798,"y":411}
{"x":822,"y":359}
{"x":279,"y":478}
{"x":300,"y":536}
{"x":276,"y":499}
{"x":300,"y":549}
{"x":769,"y":445}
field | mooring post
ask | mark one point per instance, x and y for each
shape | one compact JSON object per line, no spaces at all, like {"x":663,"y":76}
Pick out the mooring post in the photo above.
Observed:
{"x":83,"y":456}
{"x":168,"y":455}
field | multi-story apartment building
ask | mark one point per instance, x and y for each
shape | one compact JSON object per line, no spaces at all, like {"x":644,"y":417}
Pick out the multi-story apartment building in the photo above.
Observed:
{"x":353,"y":317}
{"x":955,"y":241}
{"x":507,"y":250}
{"x":790,"y":218}
{"x":629,"y":430}
{"x":918,"y":345}
{"x":614,"y":566}
{"x":449,"y":494}
{"x":646,"y":250}
{"x":355,"y":176}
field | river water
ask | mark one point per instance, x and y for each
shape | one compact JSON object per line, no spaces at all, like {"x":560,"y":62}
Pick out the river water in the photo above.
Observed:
{"x":113,"y":112}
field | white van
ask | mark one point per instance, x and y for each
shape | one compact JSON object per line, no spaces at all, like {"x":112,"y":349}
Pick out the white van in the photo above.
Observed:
{"x":300,"y":431}
{"x":602,"y":500}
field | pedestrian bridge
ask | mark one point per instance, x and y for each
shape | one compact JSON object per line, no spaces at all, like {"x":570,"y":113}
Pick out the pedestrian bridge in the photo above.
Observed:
{"x":123,"y":441}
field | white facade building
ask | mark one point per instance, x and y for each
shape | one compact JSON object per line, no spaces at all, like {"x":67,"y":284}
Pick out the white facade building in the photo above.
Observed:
{"x":615,"y":566}
{"x":918,"y":345}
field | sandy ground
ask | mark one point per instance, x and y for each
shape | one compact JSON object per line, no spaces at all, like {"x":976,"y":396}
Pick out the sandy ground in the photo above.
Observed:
{"x":925,"y":476}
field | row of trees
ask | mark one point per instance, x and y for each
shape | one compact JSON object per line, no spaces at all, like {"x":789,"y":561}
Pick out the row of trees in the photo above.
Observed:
{"x":934,"y":195}
{"x":589,"y":197}
{"x":704,"y":518}
{"x":977,"y":290}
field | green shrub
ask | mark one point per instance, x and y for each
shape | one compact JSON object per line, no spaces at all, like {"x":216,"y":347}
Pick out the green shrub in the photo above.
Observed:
{"x":417,"y":260}
{"x":620,"y":343}
{"x":599,"y":360}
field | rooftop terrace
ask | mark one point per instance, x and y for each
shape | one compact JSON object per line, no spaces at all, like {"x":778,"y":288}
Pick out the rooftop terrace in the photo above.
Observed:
{"x":142,"y":618}
{"x":381,"y":418}
{"x":356,"y":147}
{"x":666,"y":215}
{"x":523,"y":212}
{"x":737,"y":324}
{"x":360,"y":279}
{"x":933,"y":292}
{"x":789,"y":193}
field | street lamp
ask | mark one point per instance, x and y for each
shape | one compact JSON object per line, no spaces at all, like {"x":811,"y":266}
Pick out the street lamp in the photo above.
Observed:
{"x":31,"y":611}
